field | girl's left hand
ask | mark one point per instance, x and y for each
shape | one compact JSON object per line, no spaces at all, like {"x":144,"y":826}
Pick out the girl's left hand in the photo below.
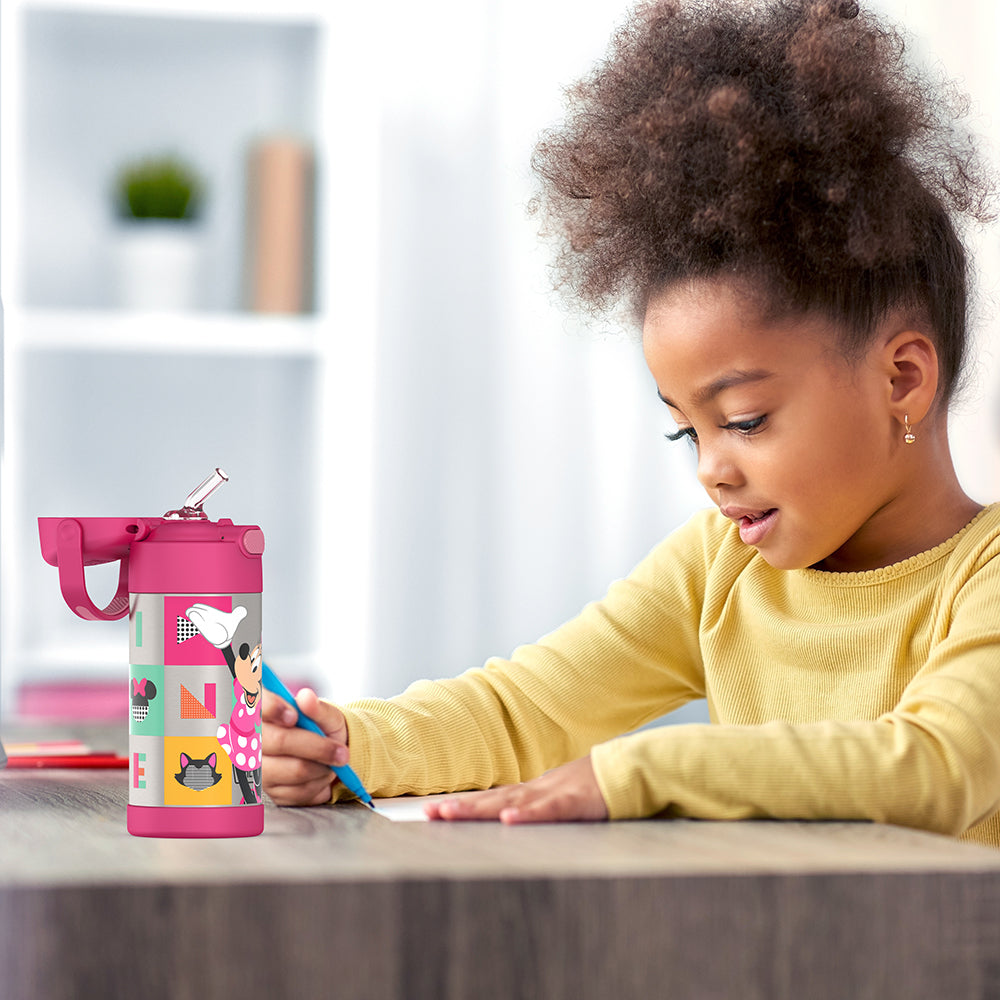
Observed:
{"x":569,"y":792}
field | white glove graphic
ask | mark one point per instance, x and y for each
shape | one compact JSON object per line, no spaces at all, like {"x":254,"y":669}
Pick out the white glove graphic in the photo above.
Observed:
{"x":218,"y":627}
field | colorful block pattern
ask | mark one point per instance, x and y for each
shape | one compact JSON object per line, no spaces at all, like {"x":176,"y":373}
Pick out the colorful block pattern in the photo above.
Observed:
{"x":181,"y":696}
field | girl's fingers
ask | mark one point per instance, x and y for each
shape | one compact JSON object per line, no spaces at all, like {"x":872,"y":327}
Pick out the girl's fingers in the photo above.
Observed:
{"x":549,"y":808}
{"x":299,"y":744}
{"x":283,"y":770}
{"x":566,"y":793}
{"x":513,"y":804}
{"x":297,"y":761}
{"x":311,"y":793}
{"x":325,"y":714}
{"x":297,"y":781}
{"x":277,"y":710}
{"x":475,"y":805}
{"x":282,"y":738}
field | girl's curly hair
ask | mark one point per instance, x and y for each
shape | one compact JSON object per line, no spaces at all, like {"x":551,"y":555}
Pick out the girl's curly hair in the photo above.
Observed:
{"x":786,"y":144}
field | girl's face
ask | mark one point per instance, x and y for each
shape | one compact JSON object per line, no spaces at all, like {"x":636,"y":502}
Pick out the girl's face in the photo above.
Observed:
{"x":795,"y":443}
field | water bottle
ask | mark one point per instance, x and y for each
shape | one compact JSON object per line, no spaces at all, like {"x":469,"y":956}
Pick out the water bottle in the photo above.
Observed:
{"x":192,"y":590}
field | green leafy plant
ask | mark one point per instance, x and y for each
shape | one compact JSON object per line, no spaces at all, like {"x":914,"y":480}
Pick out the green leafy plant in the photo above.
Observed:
{"x":159,"y":188}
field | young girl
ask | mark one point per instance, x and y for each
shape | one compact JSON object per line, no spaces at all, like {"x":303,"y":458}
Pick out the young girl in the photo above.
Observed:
{"x":774,"y":191}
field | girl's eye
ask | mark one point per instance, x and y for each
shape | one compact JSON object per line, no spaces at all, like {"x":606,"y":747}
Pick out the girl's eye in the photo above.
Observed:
{"x":746,"y":427}
{"x":683,"y":432}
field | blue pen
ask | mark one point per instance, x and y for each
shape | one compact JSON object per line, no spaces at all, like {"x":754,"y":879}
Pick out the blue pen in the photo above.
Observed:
{"x":343,"y":771}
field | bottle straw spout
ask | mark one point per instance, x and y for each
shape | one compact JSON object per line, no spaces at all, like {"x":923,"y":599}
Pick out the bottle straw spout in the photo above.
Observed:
{"x":194,"y":500}
{"x":202,"y":492}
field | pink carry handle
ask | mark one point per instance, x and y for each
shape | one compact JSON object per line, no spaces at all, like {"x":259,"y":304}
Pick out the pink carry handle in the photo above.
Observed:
{"x":71,"y":544}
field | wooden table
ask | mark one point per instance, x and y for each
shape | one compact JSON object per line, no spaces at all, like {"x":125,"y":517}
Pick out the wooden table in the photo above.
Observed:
{"x":341,"y":902}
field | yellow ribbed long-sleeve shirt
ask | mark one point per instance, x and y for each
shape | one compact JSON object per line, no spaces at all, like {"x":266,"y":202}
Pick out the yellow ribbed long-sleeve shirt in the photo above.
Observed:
{"x":871,"y":695}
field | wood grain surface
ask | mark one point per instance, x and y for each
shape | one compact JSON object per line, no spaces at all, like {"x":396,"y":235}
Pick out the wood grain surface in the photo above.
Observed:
{"x":338,"y":901}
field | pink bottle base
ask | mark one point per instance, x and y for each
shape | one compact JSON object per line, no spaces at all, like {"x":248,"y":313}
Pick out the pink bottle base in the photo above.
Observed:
{"x":200,"y":821}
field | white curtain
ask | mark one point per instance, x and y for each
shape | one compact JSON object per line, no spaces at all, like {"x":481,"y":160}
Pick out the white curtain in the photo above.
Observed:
{"x":520,"y":460}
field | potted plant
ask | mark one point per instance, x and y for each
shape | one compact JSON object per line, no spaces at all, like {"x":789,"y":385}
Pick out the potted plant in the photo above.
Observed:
{"x":158,"y":202}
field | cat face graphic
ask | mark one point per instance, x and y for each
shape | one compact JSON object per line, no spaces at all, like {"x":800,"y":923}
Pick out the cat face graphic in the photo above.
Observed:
{"x":198,"y":774}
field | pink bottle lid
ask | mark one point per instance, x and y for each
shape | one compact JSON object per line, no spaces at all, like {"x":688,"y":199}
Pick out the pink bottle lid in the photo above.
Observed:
{"x":181,"y":552}
{"x":197,"y":556}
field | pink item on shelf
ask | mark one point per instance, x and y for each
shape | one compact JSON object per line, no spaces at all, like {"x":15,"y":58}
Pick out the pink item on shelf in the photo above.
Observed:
{"x":76,"y":701}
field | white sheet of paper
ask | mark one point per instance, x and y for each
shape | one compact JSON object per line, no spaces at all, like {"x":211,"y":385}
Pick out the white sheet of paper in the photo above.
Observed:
{"x":400,"y":810}
{"x":406,"y":808}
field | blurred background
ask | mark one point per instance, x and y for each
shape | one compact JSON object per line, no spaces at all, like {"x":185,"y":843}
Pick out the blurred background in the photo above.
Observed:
{"x":349,"y":311}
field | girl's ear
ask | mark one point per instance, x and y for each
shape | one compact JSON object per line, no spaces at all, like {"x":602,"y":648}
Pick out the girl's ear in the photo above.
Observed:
{"x":911,"y":363}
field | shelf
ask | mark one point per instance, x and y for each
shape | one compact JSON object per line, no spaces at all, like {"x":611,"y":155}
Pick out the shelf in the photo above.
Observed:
{"x":108,"y":408}
{"x":98,"y":330}
{"x":205,"y":89}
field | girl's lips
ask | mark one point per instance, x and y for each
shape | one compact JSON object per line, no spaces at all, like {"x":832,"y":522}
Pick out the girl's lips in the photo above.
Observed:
{"x":753,"y":530}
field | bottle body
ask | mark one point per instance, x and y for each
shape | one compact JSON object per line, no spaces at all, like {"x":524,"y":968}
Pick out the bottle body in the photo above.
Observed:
{"x":195,"y":693}
{"x":192,"y":590}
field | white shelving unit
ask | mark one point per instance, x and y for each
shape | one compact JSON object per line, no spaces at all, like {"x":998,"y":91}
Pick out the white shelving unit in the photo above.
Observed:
{"x":113,"y":412}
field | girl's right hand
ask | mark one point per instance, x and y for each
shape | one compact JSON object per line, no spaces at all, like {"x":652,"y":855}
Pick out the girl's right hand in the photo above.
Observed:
{"x":297,"y":762}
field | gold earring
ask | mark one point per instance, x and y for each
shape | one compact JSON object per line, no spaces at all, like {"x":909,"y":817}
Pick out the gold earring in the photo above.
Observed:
{"x":908,"y":436}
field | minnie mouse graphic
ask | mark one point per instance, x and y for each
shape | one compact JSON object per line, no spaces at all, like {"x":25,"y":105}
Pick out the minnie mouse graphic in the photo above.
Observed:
{"x":239,"y":738}
{"x":143,"y":689}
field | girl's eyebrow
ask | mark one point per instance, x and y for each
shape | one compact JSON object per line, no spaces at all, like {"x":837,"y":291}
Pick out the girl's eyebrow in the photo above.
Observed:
{"x":727,"y":381}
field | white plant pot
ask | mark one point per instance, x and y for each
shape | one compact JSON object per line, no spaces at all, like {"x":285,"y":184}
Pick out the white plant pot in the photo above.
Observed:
{"x":158,"y":265}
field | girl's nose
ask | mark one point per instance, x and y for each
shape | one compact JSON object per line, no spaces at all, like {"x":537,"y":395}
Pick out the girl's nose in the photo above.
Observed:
{"x":716,"y":468}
